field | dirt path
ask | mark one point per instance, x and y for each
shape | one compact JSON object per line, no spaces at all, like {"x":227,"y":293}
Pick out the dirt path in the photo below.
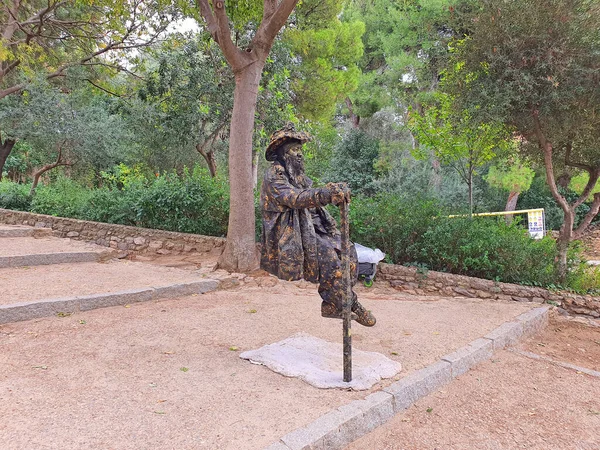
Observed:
{"x":29,"y":246}
{"x":167,"y":374}
{"x":509,"y":402}
{"x":20,"y":284}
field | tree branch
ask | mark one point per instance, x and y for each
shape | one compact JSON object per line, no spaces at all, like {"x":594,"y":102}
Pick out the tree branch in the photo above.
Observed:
{"x":577,"y":234}
{"x":269,"y":28}
{"x":218,"y":25}
{"x":570,"y":163}
{"x":37,"y":174}
{"x":594,"y":175}
{"x":546,"y":148}
{"x":269,"y":8}
{"x":101,"y":88}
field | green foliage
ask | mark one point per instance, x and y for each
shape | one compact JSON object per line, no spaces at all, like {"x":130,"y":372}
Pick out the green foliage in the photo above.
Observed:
{"x":14,"y":196}
{"x":191,"y":203}
{"x":487,"y":248}
{"x":48,"y":37}
{"x":513,"y":177}
{"x":417,"y":231}
{"x":578,"y":183}
{"x":533,"y":62}
{"x":123,"y":176}
{"x":391,"y":223}
{"x":329,"y":71}
{"x":405,"y":50}
{"x":353,"y":162}
{"x":585,"y":279}
{"x":74,"y":126}
{"x":64,"y":198}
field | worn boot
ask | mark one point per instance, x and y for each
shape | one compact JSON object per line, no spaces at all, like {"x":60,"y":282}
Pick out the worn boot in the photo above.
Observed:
{"x":364,"y":317}
{"x":329,"y":311}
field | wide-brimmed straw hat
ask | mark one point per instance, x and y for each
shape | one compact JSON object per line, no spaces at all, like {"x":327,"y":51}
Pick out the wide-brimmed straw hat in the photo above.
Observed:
{"x":287,"y":133}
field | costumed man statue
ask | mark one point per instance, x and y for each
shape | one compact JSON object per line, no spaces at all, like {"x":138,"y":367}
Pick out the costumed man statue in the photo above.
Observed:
{"x":299,"y":237}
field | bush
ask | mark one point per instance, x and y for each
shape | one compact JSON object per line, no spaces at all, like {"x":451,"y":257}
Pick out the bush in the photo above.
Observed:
{"x":14,"y":196}
{"x":419,"y":232}
{"x":391,"y":223}
{"x":64,"y":197}
{"x":113,"y":206}
{"x":487,"y":248}
{"x":192,"y":203}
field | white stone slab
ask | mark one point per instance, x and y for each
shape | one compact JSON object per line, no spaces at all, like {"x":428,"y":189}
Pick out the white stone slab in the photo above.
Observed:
{"x":320,"y":363}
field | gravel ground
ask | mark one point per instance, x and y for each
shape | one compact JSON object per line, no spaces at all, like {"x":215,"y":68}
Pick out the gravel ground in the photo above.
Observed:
{"x":34,"y":246}
{"x":20,"y":284}
{"x":167,"y":374}
{"x":509,"y":402}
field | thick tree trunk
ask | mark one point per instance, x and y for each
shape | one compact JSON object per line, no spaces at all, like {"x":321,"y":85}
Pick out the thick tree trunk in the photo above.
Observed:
{"x":5,"y":149}
{"x":240,"y":253}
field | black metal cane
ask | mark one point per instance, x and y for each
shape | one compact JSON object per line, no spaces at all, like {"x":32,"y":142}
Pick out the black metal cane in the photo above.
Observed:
{"x":346,"y":282}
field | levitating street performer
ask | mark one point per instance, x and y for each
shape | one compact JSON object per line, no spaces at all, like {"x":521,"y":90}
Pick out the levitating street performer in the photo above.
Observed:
{"x":299,"y":237}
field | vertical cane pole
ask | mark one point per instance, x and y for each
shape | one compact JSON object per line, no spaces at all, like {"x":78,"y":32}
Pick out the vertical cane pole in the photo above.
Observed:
{"x":347,"y":305}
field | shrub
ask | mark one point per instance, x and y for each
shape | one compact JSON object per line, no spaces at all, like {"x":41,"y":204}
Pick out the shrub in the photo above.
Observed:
{"x":487,"y":248}
{"x":64,"y":197}
{"x":113,"y":206}
{"x":391,"y":223}
{"x":418,"y":232}
{"x":14,"y":196}
{"x":191,"y":203}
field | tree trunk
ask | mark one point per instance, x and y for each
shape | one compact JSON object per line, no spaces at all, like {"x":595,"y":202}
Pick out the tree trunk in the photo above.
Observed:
{"x":511,"y":205}
{"x":5,"y":149}
{"x":240,"y":253}
{"x":564,"y":239}
{"x":436,"y":177}
{"x":209,"y":157}
{"x":354,"y":119}
{"x":470,"y":183}
{"x":37,"y":174}
{"x":255,"y":156}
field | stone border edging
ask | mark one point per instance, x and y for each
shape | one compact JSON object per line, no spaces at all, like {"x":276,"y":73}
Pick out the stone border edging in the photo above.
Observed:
{"x":338,"y":428}
{"x":36,"y":309}
{"x":44,"y":259}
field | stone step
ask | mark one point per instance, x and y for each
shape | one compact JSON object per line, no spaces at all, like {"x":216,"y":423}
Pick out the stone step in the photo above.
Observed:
{"x":31,"y":292}
{"x":48,"y":258}
{"x":35,"y":251}
{"x":8,"y":231}
{"x":36,"y":309}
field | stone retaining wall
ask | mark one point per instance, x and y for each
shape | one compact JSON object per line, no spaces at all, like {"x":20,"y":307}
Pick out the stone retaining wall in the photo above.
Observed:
{"x":121,"y":237}
{"x":413,"y":280}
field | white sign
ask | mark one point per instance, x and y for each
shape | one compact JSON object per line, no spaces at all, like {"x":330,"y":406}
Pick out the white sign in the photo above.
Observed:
{"x":537,"y":227}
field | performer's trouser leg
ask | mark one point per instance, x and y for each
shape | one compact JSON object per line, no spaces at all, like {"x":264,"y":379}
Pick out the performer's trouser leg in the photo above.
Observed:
{"x":331,"y":288}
